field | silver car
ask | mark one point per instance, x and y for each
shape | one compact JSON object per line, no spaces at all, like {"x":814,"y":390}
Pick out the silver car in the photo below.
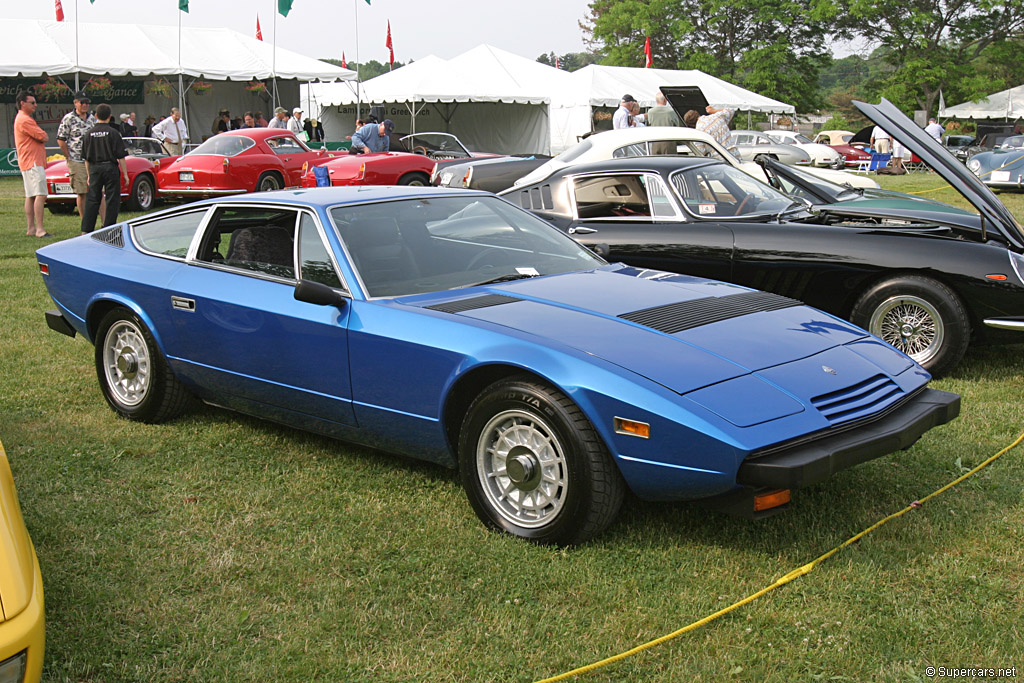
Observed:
{"x":751,"y":144}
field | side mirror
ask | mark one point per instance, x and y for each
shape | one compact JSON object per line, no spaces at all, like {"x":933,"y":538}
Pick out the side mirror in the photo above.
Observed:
{"x":601,"y":250}
{"x":318,"y":294}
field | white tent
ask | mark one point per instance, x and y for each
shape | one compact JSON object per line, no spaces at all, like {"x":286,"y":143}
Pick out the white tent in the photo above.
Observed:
{"x":1008,"y":104}
{"x":597,"y":86}
{"x":492,"y":100}
{"x":33,"y":49}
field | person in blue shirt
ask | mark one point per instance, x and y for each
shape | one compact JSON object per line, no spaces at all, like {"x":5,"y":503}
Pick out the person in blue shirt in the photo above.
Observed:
{"x":373,"y":137}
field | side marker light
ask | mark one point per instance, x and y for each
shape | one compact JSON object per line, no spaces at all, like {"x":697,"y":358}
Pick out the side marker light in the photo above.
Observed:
{"x":632,"y":428}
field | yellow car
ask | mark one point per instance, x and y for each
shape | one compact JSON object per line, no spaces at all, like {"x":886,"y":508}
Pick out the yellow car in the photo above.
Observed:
{"x":21,"y":590}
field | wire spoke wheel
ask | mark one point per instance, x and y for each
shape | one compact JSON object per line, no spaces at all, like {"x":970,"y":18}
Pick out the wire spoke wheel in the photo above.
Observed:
{"x":522,"y":468}
{"x":126,"y":363}
{"x":911,"y":324}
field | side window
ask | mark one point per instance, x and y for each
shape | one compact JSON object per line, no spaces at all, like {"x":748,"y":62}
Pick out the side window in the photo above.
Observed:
{"x":170,"y":235}
{"x":637,"y":149}
{"x":314,"y":259}
{"x":254,"y":238}
{"x":661,"y":203}
{"x":284,"y":145}
{"x":611,"y":196}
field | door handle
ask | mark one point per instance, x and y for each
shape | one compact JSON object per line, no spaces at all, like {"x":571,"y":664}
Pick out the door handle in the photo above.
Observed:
{"x":579,"y":230}
{"x":180,"y":303}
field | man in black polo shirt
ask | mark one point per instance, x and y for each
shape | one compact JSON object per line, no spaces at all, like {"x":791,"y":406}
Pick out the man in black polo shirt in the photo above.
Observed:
{"x":103,"y":151}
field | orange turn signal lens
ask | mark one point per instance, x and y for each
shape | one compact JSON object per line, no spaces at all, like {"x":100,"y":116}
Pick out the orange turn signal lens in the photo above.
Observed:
{"x":771,"y":499}
{"x":996,"y":276}
{"x":632,"y":428}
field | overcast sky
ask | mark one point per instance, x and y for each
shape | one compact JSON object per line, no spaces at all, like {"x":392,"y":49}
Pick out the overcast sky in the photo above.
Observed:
{"x":326,"y":28}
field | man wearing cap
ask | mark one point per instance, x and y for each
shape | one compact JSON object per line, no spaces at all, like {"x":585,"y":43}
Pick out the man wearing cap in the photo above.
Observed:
{"x":72,"y":129}
{"x":373,"y":137}
{"x":295,"y":122}
{"x":128,"y":128}
{"x":280,"y":119}
{"x":172,"y":132}
{"x":625,"y":115}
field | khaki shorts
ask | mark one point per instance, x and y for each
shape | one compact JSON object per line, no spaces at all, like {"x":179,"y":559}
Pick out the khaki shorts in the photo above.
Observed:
{"x":35,"y":181}
{"x":79,"y":177}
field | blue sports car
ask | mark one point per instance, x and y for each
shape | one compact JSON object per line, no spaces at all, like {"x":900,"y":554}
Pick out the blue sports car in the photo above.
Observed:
{"x":453,"y":326}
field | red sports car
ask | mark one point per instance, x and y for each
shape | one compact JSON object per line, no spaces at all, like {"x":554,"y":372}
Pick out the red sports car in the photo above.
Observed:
{"x":145,"y":157}
{"x":410,"y":162}
{"x":246,"y":160}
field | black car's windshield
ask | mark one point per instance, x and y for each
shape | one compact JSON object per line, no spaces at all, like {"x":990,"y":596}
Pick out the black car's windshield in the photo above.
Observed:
{"x":427,"y":245}
{"x":815,"y":188}
{"x":427,"y":143}
{"x":722,"y":191}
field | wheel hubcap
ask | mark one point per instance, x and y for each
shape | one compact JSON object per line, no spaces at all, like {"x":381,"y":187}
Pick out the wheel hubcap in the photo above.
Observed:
{"x":911,"y":324}
{"x":126,"y":363}
{"x":522,"y":469}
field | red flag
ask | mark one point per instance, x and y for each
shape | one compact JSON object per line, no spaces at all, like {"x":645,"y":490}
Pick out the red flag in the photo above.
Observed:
{"x":259,"y":33}
{"x":556,"y":63}
{"x":60,"y":10}
{"x":389,"y":45}
{"x":647,"y":51}
{"x":344,"y":64}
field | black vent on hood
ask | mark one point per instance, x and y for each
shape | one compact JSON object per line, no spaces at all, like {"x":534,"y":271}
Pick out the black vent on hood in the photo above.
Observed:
{"x":685,"y":315}
{"x":474,"y":303}
{"x":113,"y":236}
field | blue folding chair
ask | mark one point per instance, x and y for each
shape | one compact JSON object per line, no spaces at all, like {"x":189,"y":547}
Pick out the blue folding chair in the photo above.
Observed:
{"x":322,"y":175}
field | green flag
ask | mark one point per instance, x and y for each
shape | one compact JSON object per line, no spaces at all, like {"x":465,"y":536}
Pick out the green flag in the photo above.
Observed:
{"x":367,"y":2}
{"x":284,"y":7}
{"x":183,"y":5}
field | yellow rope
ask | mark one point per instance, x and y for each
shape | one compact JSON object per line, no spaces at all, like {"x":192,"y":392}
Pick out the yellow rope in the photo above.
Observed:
{"x":782,"y":581}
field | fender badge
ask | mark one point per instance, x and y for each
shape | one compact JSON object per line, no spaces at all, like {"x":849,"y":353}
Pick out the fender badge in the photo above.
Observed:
{"x":829,"y":370}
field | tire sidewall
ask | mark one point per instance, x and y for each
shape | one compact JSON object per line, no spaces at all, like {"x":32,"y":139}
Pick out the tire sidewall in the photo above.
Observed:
{"x":265,"y":177}
{"x":135,"y":202}
{"x":149,"y":405}
{"x":528,"y":398}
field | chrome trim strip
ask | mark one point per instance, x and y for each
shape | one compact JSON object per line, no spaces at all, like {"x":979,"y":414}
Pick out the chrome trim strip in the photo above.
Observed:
{"x":1016,"y":325}
{"x":198,"y":193}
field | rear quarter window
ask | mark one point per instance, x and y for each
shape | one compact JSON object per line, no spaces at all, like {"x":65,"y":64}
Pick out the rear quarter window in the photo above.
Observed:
{"x":168,"y":235}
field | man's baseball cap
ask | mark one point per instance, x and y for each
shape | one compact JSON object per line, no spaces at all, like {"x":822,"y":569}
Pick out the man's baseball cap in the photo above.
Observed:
{"x":389,"y":125}
{"x":280,"y":110}
{"x":80,"y":96}
{"x":124,"y":117}
{"x":628,"y":98}
{"x":297,"y":110}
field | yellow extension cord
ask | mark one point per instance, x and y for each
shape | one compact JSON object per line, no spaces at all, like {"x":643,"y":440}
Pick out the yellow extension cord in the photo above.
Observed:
{"x":782,"y":581}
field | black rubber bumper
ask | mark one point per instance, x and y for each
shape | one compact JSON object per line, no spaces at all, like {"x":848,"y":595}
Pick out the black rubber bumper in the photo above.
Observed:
{"x":810,"y":463}
{"x":58,"y":323}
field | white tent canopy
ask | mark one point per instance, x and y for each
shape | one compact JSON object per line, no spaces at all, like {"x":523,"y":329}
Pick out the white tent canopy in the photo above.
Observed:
{"x":1008,"y":104}
{"x":493,"y":100}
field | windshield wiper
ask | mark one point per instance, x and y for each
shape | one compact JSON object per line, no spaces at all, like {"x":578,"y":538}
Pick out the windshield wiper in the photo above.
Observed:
{"x":509,"y":277}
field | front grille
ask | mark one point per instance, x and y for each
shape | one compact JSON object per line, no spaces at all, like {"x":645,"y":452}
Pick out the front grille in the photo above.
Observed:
{"x":685,"y":315}
{"x":113,"y":236}
{"x":473,"y":303}
{"x":853,"y":402}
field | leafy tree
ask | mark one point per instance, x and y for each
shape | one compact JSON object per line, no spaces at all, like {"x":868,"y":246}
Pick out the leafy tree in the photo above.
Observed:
{"x":933,"y":44}
{"x":570,"y":61}
{"x":773,"y":47}
{"x":367,"y":70}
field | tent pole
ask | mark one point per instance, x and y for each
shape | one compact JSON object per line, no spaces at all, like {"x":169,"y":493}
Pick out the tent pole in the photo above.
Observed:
{"x":359,"y":101}
{"x":77,"y":88}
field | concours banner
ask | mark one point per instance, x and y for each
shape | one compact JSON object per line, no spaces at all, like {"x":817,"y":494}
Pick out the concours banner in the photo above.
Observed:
{"x":119,"y":92}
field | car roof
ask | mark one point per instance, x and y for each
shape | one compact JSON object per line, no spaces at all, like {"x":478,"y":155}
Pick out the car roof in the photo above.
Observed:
{"x":665,"y":164}
{"x":625,"y":136}
{"x":323,"y":197}
{"x":258,"y":133}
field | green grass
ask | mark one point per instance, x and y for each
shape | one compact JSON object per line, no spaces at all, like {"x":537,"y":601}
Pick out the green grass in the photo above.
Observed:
{"x":222,"y":548}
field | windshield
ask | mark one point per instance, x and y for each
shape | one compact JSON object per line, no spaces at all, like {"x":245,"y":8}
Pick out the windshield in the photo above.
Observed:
{"x":425,"y":143}
{"x":429,"y":245}
{"x":814,"y":187}
{"x":1015,"y":142}
{"x":224,"y":145}
{"x":721,"y":191}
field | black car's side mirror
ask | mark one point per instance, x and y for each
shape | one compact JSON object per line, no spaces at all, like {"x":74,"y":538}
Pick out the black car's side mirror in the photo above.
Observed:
{"x":319,"y":294}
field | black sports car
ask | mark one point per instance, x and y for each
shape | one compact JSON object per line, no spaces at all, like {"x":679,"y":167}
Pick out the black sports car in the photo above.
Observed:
{"x":928,"y":282}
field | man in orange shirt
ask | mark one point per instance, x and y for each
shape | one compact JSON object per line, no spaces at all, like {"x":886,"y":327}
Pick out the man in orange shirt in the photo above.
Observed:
{"x":30,"y":141}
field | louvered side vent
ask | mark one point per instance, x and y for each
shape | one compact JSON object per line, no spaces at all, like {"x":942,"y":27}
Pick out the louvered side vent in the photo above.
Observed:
{"x":474,"y":303}
{"x":685,"y":315}
{"x":858,"y":400}
{"x":113,"y":236}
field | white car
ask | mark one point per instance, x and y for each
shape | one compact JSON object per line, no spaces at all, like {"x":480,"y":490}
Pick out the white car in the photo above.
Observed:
{"x":750,"y":144}
{"x":821,"y":155}
{"x":631,"y":142}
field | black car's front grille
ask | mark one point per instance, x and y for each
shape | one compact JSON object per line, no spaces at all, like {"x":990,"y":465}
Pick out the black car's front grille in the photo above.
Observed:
{"x":685,"y":315}
{"x":473,"y":303}
{"x":853,"y":402}
{"x":113,"y":236}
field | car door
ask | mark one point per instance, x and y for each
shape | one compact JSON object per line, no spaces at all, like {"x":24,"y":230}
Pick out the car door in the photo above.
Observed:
{"x":633,"y":217}
{"x":245,"y":337}
{"x":294,"y":157}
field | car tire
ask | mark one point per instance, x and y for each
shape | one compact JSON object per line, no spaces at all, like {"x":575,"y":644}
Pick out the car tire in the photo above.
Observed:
{"x":414,"y":179}
{"x":268,"y":182}
{"x":918,"y":315}
{"x":143,"y":194}
{"x":533,"y":466}
{"x":61,"y":208}
{"x":134,"y":376}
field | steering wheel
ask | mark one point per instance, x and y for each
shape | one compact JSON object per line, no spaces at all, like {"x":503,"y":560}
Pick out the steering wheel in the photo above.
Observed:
{"x":420,"y":149}
{"x":742,"y":205}
{"x":481,"y":258}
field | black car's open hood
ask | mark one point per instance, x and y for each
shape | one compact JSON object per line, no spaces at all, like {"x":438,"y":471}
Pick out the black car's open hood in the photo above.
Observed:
{"x":683,"y":98}
{"x":995,"y":216}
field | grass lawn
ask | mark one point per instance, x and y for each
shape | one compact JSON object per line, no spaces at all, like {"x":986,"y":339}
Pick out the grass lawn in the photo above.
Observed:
{"x":221,"y":548}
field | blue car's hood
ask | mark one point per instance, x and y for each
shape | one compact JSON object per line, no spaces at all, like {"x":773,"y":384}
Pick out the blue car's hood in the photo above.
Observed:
{"x":632,"y":318}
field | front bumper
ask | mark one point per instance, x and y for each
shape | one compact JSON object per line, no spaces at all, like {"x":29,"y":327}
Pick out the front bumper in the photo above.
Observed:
{"x":804,"y":464}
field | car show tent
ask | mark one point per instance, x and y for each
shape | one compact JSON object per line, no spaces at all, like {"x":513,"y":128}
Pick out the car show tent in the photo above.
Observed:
{"x":596,"y":89}
{"x":142,"y":55}
{"x":492,"y":100}
{"x":1007,"y":104}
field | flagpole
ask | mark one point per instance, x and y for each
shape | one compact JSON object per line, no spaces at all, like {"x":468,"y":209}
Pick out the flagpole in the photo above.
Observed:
{"x":359,"y":86}
{"x":273,"y":66}
{"x":181,"y":85}
{"x":76,"y":47}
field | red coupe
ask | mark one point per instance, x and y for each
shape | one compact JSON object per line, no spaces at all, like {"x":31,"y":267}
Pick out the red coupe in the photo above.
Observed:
{"x":246,"y":160}
{"x":410,"y":162}
{"x":145,"y":157}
